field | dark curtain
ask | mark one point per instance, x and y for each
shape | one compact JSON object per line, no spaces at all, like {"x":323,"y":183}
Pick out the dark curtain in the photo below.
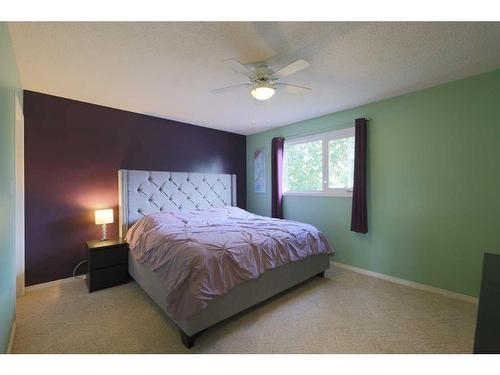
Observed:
{"x":277,"y":177}
{"x":359,"y":219}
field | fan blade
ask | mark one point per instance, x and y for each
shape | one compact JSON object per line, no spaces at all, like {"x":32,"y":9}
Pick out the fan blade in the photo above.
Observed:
{"x":238,"y":67}
{"x":292,"y":68}
{"x":229,"y":88}
{"x":294,"y":89}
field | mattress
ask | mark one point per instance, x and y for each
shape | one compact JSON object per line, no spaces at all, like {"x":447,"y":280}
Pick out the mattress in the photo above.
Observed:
{"x":199,"y":256}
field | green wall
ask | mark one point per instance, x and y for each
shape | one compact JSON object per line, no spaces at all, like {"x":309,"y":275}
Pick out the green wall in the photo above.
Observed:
{"x":434,"y":184}
{"x":9,"y":87}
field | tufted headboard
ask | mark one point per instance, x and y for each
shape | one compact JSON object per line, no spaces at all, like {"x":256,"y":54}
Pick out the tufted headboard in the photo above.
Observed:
{"x":146,"y":192}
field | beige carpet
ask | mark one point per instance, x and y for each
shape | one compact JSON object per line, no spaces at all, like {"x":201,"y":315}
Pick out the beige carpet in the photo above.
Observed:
{"x":343,"y":313}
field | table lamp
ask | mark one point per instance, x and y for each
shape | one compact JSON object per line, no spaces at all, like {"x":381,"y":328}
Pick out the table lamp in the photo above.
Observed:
{"x":103,"y":217}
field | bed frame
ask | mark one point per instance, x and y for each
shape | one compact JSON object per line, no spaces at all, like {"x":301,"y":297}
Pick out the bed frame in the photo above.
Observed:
{"x":146,"y":192}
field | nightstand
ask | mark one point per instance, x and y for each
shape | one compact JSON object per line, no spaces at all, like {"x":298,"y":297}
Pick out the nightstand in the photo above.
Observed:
{"x":107,"y":264}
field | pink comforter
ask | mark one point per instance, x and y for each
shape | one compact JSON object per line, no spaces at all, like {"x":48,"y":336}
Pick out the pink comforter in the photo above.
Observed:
{"x":201,"y":254}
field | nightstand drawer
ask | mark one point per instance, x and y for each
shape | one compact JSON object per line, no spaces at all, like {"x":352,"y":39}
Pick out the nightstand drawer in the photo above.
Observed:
{"x":106,"y":257}
{"x":106,"y":277}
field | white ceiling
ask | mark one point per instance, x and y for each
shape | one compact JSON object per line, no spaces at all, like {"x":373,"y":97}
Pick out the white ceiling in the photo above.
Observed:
{"x":168,"y":69}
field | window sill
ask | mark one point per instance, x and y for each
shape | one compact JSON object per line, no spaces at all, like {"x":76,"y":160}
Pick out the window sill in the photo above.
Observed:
{"x":338,"y":194}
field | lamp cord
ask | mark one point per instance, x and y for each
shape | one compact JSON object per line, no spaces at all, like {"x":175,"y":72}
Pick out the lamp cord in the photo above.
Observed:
{"x":78,"y":265}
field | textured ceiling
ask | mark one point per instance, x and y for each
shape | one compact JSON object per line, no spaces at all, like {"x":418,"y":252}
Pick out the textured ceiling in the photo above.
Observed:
{"x":168,"y":69}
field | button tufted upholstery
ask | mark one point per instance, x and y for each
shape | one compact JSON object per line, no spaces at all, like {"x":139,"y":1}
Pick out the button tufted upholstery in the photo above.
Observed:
{"x":146,"y":192}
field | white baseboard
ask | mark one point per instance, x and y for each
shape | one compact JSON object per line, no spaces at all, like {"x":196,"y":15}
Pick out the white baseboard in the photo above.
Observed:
{"x":51,"y":283}
{"x":392,"y":279}
{"x":11,"y":338}
{"x":411,"y":284}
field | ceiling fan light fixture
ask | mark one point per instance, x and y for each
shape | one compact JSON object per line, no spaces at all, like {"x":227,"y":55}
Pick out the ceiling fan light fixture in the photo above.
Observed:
{"x":262,"y":80}
{"x":263,"y":92}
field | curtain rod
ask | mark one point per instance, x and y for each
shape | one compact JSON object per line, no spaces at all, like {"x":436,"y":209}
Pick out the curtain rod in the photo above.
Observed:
{"x":319,"y":131}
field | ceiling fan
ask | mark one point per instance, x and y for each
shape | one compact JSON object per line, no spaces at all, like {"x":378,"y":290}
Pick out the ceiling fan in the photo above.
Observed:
{"x":263,"y":81}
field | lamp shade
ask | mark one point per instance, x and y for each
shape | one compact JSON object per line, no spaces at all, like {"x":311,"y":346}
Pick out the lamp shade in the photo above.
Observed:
{"x":262,"y":92}
{"x":104,"y":216}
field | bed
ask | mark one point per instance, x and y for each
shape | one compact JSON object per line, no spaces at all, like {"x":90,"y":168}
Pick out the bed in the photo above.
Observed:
{"x":202,"y":259}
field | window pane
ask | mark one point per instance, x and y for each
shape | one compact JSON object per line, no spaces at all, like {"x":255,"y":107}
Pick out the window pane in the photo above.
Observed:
{"x":341,"y":163}
{"x":303,"y":166}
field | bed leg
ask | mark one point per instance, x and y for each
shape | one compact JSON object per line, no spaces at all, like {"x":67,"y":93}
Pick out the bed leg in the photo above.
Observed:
{"x":188,"y":341}
{"x":321,"y":274}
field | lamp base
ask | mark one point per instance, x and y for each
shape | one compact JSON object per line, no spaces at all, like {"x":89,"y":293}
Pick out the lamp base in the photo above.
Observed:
{"x":104,"y":234}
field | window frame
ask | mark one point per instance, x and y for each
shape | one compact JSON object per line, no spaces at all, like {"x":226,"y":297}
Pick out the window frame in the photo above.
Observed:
{"x":325,"y":138}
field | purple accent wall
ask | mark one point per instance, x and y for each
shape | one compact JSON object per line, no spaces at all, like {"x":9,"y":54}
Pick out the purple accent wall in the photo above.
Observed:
{"x":73,"y":151}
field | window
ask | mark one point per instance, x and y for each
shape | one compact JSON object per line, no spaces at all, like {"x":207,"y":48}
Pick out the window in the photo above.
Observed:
{"x":322,"y":164}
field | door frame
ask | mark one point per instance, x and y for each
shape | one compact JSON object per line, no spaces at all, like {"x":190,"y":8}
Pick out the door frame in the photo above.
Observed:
{"x":19,"y":238}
